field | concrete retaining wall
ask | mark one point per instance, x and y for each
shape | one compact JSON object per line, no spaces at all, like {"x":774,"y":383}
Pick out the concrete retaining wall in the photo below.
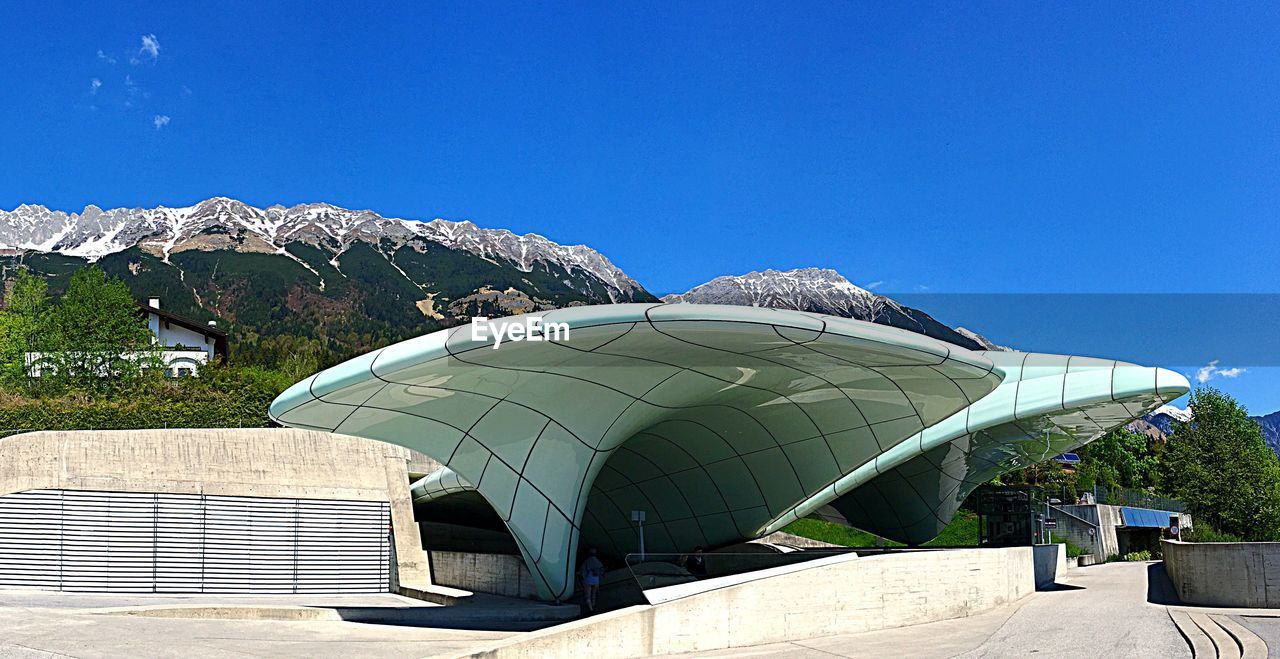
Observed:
{"x":261,"y":462}
{"x":498,"y":574}
{"x":1228,"y":574}
{"x":1050,"y":563}
{"x":780,"y":538}
{"x":1090,"y":559}
{"x":1077,"y":521}
{"x":267,"y":462}
{"x":833,"y":595}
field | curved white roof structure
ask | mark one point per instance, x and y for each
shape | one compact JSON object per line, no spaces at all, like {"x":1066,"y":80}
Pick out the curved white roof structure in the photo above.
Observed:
{"x":722,"y":423}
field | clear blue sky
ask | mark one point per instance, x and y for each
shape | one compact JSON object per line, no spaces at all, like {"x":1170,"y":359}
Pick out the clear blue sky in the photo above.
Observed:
{"x":1011,"y":147}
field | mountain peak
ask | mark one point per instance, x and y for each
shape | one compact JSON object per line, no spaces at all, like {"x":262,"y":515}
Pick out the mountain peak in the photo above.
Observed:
{"x":819,"y":290}
{"x":1176,"y":413}
{"x":800,"y":288}
{"x":987,"y":344}
{"x":225,"y":223}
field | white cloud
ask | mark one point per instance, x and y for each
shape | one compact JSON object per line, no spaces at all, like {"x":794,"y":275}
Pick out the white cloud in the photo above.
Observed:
{"x":105,"y":57}
{"x":160,"y":121}
{"x":1211,"y":371}
{"x":94,"y":85}
{"x":874,"y":285}
{"x":150,"y":47}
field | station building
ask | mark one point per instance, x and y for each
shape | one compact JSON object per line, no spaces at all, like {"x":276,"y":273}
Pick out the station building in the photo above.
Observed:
{"x":714,"y":424}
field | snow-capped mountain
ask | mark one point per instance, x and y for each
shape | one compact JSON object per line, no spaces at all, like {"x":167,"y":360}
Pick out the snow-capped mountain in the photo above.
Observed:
{"x":1160,"y":423}
{"x":981,"y":340}
{"x":349,"y":280}
{"x":222,"y":223}
{"x":314,"y":278}
{"x":1174,"y":413}
{"x":1162,"y":420}
{"x":823,"y":291}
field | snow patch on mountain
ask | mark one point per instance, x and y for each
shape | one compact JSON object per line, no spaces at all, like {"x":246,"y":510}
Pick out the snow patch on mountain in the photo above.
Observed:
{"x":805,"y":289}
{"x":223,"y":223}
{"x":981,"y":340}
{"x":1176,"y":413}
{"x":825,"y":291}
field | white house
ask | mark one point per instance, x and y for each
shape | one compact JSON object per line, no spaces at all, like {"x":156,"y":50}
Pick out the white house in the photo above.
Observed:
{"x":186,"y":344}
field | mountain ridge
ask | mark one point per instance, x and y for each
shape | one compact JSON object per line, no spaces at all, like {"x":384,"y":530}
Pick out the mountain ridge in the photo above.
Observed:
{"x":311,"y":278}
{"x":352,"y":280}
{"x":161,"y":231}
{"x":826,"y":291}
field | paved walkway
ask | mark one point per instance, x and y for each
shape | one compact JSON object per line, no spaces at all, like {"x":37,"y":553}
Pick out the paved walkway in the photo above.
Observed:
{"x":1099,"y":611}
{"x":44,"y":624}
{"x":1117,"y":610}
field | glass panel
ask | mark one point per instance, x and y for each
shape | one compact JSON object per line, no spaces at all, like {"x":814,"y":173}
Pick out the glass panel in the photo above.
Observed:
{"x":469,"y":459}
{"x":700,"y":492}
{"x":499,"y":486}
{"x":813,"y":463}
{"x":459,"y":409}
{"x":933,"y":396}
{"x":424,"y":435}
{"x":557,"y":466}
{"x":528,"y":516}
{"x":736,"y":482}
{"x":509,"y":431}
{"x":777,"y":480}
{"x":853,"y":448}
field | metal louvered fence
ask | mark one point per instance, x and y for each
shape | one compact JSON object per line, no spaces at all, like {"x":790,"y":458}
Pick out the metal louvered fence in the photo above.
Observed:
{"x":192,"y":543}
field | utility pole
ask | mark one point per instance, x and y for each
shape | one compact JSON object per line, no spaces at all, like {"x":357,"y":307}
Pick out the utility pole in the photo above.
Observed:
{"x":637,"y":516}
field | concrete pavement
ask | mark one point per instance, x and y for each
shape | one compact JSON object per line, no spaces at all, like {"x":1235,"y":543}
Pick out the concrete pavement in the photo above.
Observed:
{"x":1099,"y":611}
{"x":1116,"y":610}
{"x":43,"y":624}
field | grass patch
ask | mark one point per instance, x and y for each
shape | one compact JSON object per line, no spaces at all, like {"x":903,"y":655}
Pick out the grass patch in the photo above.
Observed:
{"x":961,"y":532}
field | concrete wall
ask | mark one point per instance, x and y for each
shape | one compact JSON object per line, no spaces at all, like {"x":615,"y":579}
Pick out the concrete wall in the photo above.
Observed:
{"x":499,"y":574}
{"x":1228,"y":574}
{"x":780,"y":538}
{"x":1050,"y":563}
{"x":833,"y":595}
{"x":264,"y":462}
{"x":1076,"y":521}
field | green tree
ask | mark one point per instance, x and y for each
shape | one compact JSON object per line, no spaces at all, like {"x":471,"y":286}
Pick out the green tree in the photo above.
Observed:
{"x":1219,"y":465}
{"x":1120,"y":458}
{"x":23,"y":327}
{"x":96,"y":338}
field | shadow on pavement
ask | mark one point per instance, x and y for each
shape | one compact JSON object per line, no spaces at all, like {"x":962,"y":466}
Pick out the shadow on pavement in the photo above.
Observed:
{"x":461,"y":617}
{"x":1053,"y":587}
{"x":1159,"y":588}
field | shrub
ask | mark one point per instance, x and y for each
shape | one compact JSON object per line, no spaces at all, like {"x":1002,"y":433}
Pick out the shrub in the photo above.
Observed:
{"x":1143,"y":555}
{"x":221,"y":397}
{"x":1205,"y":533}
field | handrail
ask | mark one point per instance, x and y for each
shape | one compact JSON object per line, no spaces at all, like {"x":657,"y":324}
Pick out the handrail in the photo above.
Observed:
{"x":1070,"y":514}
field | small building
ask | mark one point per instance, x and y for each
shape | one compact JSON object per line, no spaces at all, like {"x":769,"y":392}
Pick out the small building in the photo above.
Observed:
{"x":186,"y":344}
{"x":1107,"y":530}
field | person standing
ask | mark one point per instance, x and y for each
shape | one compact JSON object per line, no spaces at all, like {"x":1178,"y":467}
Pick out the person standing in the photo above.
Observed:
{"x":697,"y":563}
{"x":592,"y":572}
